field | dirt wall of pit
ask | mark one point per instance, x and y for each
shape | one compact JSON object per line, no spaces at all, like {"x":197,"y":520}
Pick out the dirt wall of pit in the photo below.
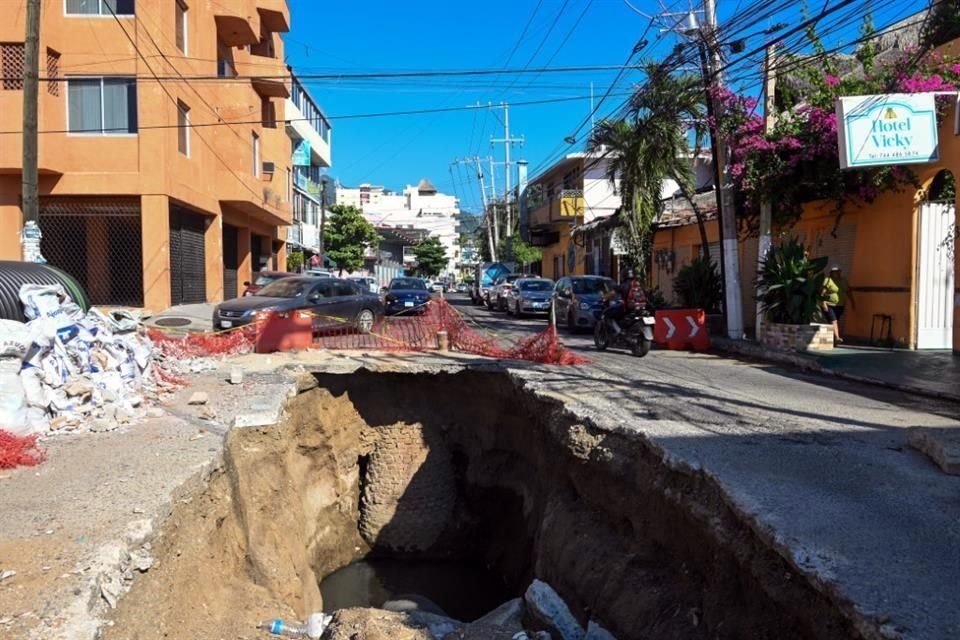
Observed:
{"x":469,"y":466}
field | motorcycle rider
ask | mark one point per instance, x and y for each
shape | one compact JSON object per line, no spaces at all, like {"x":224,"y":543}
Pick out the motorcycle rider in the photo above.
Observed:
{"x":631,"y":297}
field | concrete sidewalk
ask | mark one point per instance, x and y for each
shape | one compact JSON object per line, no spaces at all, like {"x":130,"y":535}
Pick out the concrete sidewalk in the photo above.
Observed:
{"x":930,"y":373}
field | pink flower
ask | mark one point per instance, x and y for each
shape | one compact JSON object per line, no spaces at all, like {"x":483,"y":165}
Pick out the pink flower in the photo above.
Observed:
{"x":831,"y":80}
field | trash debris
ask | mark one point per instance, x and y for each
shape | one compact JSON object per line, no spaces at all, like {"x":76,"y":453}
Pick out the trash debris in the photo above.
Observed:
{"x":313,"y":628}
{"x":198,"y":397}
{"x":236,"y":375}
{"x":7,"y":574}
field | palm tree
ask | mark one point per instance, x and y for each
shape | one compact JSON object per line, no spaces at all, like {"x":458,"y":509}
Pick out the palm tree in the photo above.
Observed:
{"x":650,"y":145}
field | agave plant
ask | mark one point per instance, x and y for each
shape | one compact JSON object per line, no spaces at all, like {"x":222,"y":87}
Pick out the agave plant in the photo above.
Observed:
{"x":698,"y":285}
{"x":791,"y":284}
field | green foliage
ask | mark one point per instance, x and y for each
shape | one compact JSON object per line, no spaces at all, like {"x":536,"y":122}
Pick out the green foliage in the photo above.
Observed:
{"x":698,"y":285}
{"x":513,"y":249}
{"x":294,"y":260}
{"x":347,"y":236}
{"x":650,"y":145}
{"x":656,"y":299}
{"x":943,"y":24}
{"x":791,"y":284}
{"x":431,"y":256}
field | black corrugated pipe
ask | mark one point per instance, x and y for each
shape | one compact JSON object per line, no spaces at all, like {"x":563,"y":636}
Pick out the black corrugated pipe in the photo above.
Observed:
{"x":15,"y":274}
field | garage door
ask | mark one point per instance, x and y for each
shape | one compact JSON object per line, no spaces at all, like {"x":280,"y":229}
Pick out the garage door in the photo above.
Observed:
{"x":188,"y":278}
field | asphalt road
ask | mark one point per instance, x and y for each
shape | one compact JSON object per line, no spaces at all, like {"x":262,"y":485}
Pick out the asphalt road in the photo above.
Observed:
{"x":824,"y":464}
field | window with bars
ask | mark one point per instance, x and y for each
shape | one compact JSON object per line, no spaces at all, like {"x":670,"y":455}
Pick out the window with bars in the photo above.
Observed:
{"x":53,"y":72}
{"x":102,"y":106}
{"x":99,"y":7}
{"x":11,"y":66}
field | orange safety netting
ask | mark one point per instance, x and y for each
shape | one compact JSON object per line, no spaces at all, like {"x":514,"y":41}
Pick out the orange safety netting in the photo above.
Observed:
{"x":417,"y":331}
{"x":19,"y":451}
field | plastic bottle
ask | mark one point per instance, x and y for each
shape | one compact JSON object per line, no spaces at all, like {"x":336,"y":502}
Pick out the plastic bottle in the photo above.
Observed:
{"x":283,"y":629}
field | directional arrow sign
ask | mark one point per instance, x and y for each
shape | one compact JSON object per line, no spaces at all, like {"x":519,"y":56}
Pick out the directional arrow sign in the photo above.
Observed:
{"x":671,"y":328}
{"x":694,"y":329}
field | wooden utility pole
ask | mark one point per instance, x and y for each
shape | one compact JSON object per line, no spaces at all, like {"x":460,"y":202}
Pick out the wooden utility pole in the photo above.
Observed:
{"x":31,"y":84}
{"x":728,"y":224}
{"x":766,"y":208}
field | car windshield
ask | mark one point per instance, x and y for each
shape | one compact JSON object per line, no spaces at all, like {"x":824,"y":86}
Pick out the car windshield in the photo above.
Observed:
{"x":592,"y":285}
{"x":283,"y":288}
{"x":408,"y":283}
{"x":536,"y":285}
{"x":264,"y":280}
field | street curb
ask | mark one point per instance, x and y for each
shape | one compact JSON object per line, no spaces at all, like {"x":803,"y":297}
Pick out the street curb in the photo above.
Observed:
{"x":805,"y":363}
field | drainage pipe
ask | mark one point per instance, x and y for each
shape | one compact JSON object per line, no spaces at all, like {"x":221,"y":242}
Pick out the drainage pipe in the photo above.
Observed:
{"x":15,"y":274}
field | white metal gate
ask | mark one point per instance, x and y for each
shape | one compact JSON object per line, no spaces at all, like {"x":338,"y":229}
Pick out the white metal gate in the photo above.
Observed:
{"x":935,"y":277}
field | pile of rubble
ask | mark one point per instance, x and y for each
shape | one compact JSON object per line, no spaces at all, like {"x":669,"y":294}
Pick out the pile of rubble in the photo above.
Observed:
{"x":68,"y":370}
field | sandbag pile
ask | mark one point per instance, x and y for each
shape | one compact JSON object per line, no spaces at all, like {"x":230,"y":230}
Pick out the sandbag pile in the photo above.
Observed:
{"x":64,"y":369}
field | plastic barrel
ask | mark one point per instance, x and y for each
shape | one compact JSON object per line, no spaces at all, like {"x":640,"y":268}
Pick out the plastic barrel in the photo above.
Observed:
{"x":14,"y":274}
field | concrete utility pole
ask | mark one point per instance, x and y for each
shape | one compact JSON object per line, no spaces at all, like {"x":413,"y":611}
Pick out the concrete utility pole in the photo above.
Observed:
{"x":507,"y":143}
{"x":728,"y":231}
{"x":323,"y":222}
{"x":766,"y":208}
{"x":31,"y":84}
{"x":491,"y":224}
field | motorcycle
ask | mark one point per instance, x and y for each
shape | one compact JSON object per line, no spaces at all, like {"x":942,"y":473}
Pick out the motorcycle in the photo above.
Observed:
{"x":636,"y":331}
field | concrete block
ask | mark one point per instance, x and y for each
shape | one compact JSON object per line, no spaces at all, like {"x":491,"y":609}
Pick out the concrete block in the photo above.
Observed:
{"x":940,"y":445}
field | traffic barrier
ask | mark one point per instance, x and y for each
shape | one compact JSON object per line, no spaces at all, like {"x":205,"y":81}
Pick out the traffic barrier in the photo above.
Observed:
{"x":680,"y":329}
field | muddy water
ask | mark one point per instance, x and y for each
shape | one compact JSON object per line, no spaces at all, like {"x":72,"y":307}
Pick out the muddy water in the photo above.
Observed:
{"x":463,"y":591}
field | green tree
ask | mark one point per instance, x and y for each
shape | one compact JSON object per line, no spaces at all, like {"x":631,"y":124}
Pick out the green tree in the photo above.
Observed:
{"x":347,"y":236}
{"x":650,"y":145}
{"x":431,"y":256}
{"x":294,"y":260}
{"x":513,"y":249}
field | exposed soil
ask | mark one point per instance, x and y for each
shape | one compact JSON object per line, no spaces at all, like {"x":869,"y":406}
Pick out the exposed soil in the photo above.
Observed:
{"x":470,"y":467}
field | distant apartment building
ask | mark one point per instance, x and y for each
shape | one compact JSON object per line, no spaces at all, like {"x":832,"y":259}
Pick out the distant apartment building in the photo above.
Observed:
{"x":310,"y":133}
{"x":419,"y":207}
{"x":155,"y":188}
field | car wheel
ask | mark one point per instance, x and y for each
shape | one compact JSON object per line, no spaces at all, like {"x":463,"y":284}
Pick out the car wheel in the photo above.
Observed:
{"x":365,"y":321}
{"x":509,"y":309}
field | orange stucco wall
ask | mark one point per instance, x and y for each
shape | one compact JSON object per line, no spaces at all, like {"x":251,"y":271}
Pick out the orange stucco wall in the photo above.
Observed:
{"x":217,"y":176}
{"x":875,"y":243}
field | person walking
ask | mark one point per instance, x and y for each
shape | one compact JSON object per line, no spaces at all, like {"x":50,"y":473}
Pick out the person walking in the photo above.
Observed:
{"x":836,"y":294}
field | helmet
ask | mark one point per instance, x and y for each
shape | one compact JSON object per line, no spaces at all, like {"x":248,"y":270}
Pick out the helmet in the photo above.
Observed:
{"x":628,"y":274}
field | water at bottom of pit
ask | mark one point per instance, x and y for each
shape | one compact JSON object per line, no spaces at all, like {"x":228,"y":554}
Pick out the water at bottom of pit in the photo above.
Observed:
{"x":465,"y":592}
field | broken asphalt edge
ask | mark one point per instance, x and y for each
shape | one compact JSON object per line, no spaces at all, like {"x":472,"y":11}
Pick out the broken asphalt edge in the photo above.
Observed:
{"x":808,"y":364}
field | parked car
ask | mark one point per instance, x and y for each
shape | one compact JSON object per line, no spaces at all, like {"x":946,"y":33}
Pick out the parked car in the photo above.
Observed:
{"x":577,"y":300}
{"x":335,"y":303}
{"x":369,"y":283}
{"x":406,"y":296}
{"x":262,"y":280}
{"x":530,"y":295}
{"x":485,"y":274}
{"x":435,"y":287}
{"x":497,"y":294}
{"x":463,"y":287}
{"x":318,"y":273}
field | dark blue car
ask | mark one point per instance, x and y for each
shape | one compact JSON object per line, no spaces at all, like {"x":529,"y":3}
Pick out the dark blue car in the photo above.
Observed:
{"x":406,"y":296}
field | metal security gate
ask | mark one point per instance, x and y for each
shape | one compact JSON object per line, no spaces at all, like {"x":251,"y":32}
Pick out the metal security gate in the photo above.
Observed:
{"x":935,"y":276}
{"x":98,"y":241}
{"x":231,"y":262}
{"x":188,"y":277}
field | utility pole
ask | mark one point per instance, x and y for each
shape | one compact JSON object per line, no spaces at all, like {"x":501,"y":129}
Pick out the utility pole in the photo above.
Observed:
{"x":728,"y":223}
{"x":766,"y":208}
{"x":31,"y":85}
{"x":323,"y":223}
{"x":507,"y":143}
{"x":491,"y":224}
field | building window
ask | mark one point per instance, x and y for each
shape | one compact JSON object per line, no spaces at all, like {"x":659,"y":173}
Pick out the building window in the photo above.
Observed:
{"x":181,"y":26}
{"x":268,"y":114}
{"x":102,"y":106}
{"x":256,"y":155}
{"x":53,"y":72}
{"x":11,"y":66}
{"x":183,"y":128}
{"x":99,"y":7}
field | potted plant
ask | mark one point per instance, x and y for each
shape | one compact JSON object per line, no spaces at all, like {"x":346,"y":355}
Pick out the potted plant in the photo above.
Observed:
{"x":698,"y":286}
{"x":791,"y":297}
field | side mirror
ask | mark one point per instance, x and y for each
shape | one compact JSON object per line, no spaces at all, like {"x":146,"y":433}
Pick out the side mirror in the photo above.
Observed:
{"x":313,"y":297}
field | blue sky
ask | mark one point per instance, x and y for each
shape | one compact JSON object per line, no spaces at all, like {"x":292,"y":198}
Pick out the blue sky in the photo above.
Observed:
{"x":381,"y":35}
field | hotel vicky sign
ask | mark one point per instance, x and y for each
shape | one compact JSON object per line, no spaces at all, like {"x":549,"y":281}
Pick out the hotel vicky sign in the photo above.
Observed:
{"x":887,"y":129}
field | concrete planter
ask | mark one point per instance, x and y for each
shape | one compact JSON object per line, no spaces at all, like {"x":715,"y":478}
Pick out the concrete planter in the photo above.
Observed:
{"x":798,"y":337}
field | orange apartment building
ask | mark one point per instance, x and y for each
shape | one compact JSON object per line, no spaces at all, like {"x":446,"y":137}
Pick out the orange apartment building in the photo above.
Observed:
{"x":141,"y":209}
